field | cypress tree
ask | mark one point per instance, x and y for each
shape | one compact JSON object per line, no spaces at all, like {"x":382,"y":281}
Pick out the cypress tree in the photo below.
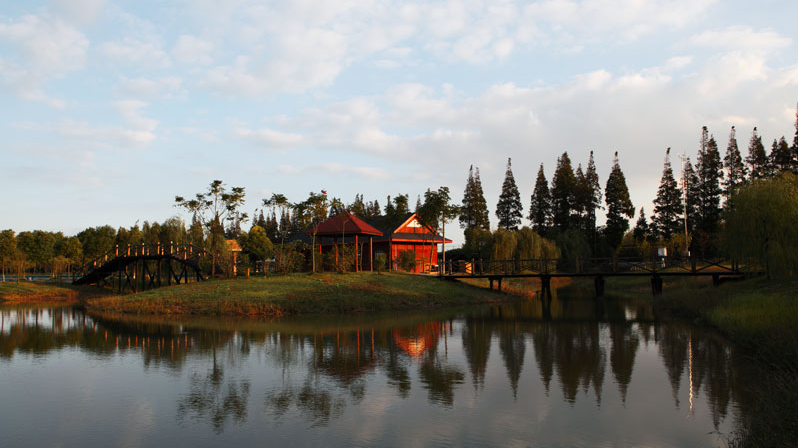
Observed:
{"x":563,"y":186}
{"x":508,"y":209}
{"x":358,"y":207}
{"x":691,"y":184}
{"x":540,"y":204}
{"x":481,"y":215}
{"x":757,"y":159}
{"x":668,"y":203}
{"x":735,"y":168}
{"x":795,"y":140}
{"x":781,"y":158}
{"x":642,"y":230}
{"x":619,"y":205}
{"x":595,"y":195}
{"x":474,"y":212}
{"x":710,"y":172}
{"x":581,"y":198}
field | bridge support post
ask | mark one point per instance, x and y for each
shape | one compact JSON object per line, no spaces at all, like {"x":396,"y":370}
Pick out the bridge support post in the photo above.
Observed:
{"x":491,"y":283}
{"x":715,"y":280}
{"x":599,"y":284}
{"x":656,"y":285}
{"x":500,"y":283}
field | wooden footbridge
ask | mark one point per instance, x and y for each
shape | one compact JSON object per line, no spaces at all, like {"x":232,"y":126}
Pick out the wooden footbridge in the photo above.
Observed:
{"x":142,"y":267}
{"x":597,"y":268}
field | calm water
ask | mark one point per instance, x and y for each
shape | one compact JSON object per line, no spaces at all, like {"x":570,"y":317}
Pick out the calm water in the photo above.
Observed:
{"x":572,"y":374}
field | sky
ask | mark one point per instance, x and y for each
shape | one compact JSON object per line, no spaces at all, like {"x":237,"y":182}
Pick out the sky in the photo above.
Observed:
{"x":111,"y":108}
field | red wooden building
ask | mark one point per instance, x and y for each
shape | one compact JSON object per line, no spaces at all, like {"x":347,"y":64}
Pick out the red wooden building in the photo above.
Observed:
{"x":380,"y":236}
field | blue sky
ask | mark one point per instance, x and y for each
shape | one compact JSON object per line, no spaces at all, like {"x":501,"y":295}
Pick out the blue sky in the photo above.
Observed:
{"x":110,"y":109}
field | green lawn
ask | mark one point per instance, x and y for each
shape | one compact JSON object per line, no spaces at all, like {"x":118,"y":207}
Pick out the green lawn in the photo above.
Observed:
{"x":35,"y":292}
{"x":299,"y":294}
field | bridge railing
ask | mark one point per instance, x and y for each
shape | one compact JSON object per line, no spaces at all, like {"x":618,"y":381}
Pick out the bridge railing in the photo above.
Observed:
{"x":184,"y":251}
{"x":615,"y":265}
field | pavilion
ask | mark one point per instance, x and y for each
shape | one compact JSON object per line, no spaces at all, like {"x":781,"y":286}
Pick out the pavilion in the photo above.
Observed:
{"x":346,"y":228}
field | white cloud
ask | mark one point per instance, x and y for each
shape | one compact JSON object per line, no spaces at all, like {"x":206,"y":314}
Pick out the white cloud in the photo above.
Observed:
{"x":271,"y":138}
{"x":80,"y":11}
{"x":135,"y":52}
{"x":360,"y":171}
{"x":191,"y":50}
{"x":144,"y":87}
{"x":741,"y":38}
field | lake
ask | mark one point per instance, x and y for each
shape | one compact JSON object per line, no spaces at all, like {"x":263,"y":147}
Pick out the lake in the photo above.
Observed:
{"x":576,"y":373}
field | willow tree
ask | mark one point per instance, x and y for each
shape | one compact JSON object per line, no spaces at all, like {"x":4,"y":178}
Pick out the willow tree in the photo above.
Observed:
{"x":212,"y":208}
{"x":760,"y":225}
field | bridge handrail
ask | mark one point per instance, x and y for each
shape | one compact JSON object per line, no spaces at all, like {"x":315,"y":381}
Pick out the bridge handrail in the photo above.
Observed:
{"x":134,"y":250}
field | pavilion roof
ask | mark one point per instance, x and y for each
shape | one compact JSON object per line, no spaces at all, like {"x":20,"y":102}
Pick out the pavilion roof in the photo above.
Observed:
{"x":344,"y":223}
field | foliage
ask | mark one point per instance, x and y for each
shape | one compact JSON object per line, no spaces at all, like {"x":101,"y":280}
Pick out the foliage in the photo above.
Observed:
{"x":504,"y":244}
{"x":509,"y":207}
{"x":474,"y":212}
{"x":668,"y":203}
{"x":563,"y":201}
{"x":757,"y":159}
{"x":97,"y":240}
{"x":256,"y":244}
{"x":691,"y":184}
{"x":781,"y":156}
{"x":733,"y":163}
{"x":8,"y":247}
{"x":531,"y":246}
{"x":760,"y":225}
{"x":619,"y":205}
{"x":540,"y":203}
{"x":478,"y":243}
{"x":380,"y":262}
{"x":642,"y":230}
{"x":710,"y":173}
{"x":406,"y":260}
{"x":573,"y":247}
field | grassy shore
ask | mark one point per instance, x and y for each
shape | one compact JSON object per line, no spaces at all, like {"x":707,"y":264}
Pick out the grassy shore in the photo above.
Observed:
{"x":299,"y":294}
{"x":35,"y":292}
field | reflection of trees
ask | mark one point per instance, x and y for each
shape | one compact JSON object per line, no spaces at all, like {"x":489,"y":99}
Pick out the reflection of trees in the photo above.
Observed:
{"x":439,"y":379}
{"x":211,"y":397}
{"x":395,"y":367}
{"x":318,"y":404}
{"x":579,"y":359}
{"x":513,"y":347}
{"x":622,"y":355}
{"x":673,"y":350}
{"x":543,"y":341}
{"x":476,"y":344}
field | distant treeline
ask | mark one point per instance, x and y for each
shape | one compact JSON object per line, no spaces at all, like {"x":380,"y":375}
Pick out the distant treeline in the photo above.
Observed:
{"x":726,"y":205}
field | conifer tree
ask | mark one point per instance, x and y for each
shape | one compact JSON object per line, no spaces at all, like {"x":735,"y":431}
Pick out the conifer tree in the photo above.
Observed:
{"x":668,"y":203}
{"x":581,"y":198}
{"x":781,"y":158}
{"x":691,"y":184}
{"x":474,"y":212}
{"x":358,"y":207}
{"x":595,"y":195}
{"x":710,"y":172}
{"x":509,"y":207}
{"x":795,"y":140}
{"x":619,"y":205}
{"x":389,"y":208}
{"x":642,"y":230}
{"x":563,"y":187}
{"x":735,"y":168}
{"x":757,"y":159}
{"x":540,"y":204}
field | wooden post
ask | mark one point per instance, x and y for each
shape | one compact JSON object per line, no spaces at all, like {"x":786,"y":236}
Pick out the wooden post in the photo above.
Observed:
{"x":357,"y":255}
{"x":656,"y":285}
{"x":371,"y":254}
{"x":599,"y":283}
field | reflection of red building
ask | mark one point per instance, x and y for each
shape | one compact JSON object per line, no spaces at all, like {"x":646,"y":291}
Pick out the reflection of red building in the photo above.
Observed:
{"x":425,"y":338}
{"x":381,"y":236}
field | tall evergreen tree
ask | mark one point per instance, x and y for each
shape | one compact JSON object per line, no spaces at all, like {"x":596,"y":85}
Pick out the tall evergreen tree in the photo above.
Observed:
{"x":668,"y":203}
{"x":540,"y":204}
{"x":781,"y":158}
{"x":563,"y":187}
{"x":619,"y":205}
{"x":691,"y":185}
{"x":358,"y":207}
{"x":474,"y":212}
{"x":795,"y":140}
{"x":642,"y":230}
{"x":509,"y":207}
{"x":591,"y":175}
{"x":582,"y":199}
{"x":710,"y":172}
{"x":757,"y":159}
{"x":735,"y":168}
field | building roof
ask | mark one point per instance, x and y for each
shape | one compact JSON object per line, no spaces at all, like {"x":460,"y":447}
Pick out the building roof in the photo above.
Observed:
{"x":344,"y":223}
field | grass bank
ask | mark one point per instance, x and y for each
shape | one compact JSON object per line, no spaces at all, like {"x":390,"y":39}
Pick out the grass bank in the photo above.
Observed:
{"x":36,"y":292}
{"x":759,"y":316}
{"x":299,"y":294}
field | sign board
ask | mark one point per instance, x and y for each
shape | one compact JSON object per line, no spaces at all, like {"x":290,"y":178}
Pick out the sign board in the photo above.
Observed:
{"x":662,"y":251}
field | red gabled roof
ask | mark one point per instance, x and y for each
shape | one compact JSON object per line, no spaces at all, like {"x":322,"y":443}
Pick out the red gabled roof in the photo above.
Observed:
{"x":345,"y":223}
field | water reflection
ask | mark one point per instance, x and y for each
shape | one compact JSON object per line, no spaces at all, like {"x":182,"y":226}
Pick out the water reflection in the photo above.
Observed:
{"x":234,"y":373}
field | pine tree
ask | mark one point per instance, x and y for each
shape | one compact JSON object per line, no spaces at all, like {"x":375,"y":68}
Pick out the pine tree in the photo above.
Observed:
{"x":795,"y":141}
{"x":272,"y":228}
{"x":668,"y":203}
{"x":581,"y":198}
{"x":509,"y":207}
{"x":563,"y":187}
{"x":540,"y":204}
{"x":781,"y":159}
{"x":467,"y":218}
{"x":757,"y":159}
{"x":481,"y":215}
{"x":619,"y":205}
{"x":735,"y":168}
{"x":358,"y":207}
{"x":710,"y":172}
{"x":390,"y":211}
{"x":474,"y":212}
{"x":642,"y":229}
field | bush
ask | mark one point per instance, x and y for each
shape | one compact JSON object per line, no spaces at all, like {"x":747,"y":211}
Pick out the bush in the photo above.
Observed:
{"x":380,"y":262}
{"x":407,"y":260}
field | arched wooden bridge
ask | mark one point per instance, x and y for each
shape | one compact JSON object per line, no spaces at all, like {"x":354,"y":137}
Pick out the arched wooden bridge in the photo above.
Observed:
{"x":597,"y":268}
{"x":142,"y":267}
